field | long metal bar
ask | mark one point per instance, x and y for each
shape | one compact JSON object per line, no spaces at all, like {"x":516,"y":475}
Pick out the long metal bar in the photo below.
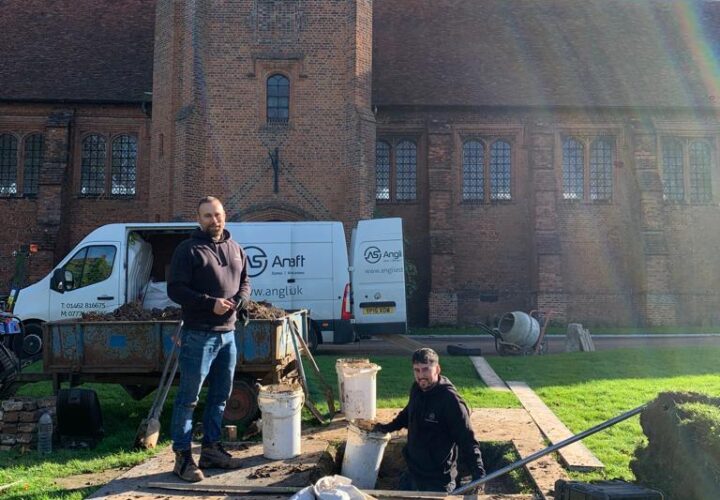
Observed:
{"x":577,"y":437}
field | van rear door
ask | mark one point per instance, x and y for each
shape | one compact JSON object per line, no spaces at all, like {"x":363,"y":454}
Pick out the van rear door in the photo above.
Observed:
{"x":378,"y":277}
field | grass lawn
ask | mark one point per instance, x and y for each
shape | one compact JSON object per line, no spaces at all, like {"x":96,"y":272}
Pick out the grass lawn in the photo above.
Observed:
{"x":561,"y":330}
{"x":582,"y":388}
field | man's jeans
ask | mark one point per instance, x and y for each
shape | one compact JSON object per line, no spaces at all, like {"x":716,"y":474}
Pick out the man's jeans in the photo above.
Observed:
{"x":203,"y":354}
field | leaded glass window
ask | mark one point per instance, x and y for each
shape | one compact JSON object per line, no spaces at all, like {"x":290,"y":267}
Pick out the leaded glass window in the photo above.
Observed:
{"x":573,"y":169}
{"x":8,"y":165}
{"x":382,"y":171}
{"x":673,"y":183}
{"x":500,"y":165}
{"x":473,"y":185}
{"x":33,"y":162}
{"x":601,"y":169}
{"x":406,"y":166}
{"x":700,"y":157}
{"x":92,"y":168}
{"x":278,"y":99}
{"x":124,"y":165}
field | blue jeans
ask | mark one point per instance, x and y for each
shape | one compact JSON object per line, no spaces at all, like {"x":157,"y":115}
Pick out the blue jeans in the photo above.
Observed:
{"x":203,"y":354}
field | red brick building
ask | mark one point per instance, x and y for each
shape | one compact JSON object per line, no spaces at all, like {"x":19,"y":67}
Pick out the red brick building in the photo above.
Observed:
{"x":557,"y":155}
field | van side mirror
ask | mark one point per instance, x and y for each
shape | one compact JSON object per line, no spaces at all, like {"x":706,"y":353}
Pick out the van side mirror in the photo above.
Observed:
{"x":57,"y":282}
{"x":69,"y":280}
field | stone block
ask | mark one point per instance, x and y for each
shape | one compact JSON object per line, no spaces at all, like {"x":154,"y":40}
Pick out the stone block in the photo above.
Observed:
{"x":30,"y":405}
{"x":28,"y":416}
{"x":27,"y":428}
{"x":46,"y":402}
{"x":9,"y":428}
{"x":24,"y":438}
{"x":12,"y":405}
{"x":11,"y":416}
{"x":7,"y":439}
{"x":2,"y":415}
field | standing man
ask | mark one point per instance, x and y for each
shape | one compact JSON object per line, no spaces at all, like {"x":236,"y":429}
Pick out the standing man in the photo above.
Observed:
{"x":438,"y":424}
{"x":209,"y":279}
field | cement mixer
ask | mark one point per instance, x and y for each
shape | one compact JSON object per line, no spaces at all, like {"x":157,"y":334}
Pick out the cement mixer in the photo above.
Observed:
{"x":521,"y":333}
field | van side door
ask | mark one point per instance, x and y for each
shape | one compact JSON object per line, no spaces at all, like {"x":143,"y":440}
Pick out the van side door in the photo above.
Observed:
{"x":87,"y":281}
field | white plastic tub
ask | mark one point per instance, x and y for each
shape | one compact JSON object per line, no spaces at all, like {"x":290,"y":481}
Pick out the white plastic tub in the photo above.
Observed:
{"x":363,"y":455}
{"x":280,"y":406}
{"x":359,"y":393}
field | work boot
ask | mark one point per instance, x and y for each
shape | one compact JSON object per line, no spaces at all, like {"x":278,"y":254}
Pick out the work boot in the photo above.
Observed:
{"x":185,"y":467}
{"x":214,"y":456}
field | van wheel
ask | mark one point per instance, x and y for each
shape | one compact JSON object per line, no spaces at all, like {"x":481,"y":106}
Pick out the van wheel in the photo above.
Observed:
{"x":314,"y":336}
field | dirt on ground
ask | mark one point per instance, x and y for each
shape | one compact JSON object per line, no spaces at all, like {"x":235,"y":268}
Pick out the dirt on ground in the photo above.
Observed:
{"x":80,"y":481}
{"x":134,"y":311}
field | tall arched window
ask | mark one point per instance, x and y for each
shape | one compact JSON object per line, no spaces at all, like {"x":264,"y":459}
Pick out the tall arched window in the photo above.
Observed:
{"x":601,"y":169}
{"x":124,"y":165}
{"x":278,"y":99}
{"x":500,"y":174}
{"x":573,"y":169}
{"x":406,"y":164}
{"x":33,"y":162}
{"x":473,"y":185}
{"x":673,"y":183}
{"x":382,"y":170}
{"x":8,"y":164}
{"x":700,"y":179}
{"x":92,"y":167}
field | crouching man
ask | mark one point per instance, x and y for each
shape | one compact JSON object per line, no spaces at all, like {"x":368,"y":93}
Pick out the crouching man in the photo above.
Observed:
{"x":438,"y":424}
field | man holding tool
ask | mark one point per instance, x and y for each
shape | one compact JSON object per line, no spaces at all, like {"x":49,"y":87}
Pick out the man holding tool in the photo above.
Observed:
{"x":209,"y":279}
{"x":438,"y":424}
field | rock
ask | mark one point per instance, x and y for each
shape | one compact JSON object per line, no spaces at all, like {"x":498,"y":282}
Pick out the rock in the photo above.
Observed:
{"x":12,"y":405}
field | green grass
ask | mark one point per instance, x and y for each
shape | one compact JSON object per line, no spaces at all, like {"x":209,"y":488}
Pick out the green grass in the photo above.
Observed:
{"x":583,"y":389}
{"x":561,"y":330}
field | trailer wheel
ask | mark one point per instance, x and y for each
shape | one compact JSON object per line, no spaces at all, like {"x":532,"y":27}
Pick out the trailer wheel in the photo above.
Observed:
{"x":9,"y":369}
{"x":32,"y":340}
{"x":314,"y":336}
{"x":242,"y":406}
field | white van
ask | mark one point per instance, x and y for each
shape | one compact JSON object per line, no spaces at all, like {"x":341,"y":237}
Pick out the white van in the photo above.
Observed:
{"x":293,"y":265}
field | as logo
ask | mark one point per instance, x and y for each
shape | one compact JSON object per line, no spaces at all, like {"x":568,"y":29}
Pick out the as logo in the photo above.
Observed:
{"x":372,"y":255}
{"x":257,"y":261}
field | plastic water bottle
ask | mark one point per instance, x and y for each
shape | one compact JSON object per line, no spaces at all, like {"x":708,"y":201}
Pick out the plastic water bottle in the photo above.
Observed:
{"x":45,"y":433}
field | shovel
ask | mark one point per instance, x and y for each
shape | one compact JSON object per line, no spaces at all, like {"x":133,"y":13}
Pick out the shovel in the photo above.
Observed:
{"x":148,"y":431}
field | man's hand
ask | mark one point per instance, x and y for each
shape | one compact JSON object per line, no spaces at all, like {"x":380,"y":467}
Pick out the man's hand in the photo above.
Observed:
{"x":222,"y":306}
{"x":382,"y":428}
{"x":242,"y":304}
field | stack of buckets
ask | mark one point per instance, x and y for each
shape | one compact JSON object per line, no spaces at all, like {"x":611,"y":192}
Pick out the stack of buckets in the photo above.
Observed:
{"x":280,"y":406}
{"x":364,"y":449}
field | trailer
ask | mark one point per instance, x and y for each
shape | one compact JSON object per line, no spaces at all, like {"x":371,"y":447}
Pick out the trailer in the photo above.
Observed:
{"x":133,"y":353}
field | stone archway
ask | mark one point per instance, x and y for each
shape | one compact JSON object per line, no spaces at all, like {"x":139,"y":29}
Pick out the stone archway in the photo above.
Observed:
{"x":272,"y":212}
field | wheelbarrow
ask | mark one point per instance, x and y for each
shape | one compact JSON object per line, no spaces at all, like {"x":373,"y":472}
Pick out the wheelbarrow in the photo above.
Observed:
{"x":520,"y":333}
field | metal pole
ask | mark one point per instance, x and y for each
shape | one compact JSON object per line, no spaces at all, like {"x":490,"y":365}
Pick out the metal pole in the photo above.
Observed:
{"x":549,"y":449}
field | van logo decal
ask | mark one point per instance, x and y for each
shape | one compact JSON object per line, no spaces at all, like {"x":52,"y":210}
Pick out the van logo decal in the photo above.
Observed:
{"x":373,"y":255}
{"x":257,"y":261}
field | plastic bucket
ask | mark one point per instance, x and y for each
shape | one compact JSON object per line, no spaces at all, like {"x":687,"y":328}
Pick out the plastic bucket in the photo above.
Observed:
{"x":340,"y":380}
{"x":358,"y":390}
{"x":363,"y":455}
{"x":519,"y":328}
{"x":280,"y":406}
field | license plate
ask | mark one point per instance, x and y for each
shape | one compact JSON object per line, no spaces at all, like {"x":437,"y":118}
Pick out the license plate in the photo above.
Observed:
{"x":378,"y":310}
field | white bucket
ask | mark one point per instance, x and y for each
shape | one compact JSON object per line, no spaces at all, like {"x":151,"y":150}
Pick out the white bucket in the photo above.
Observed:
{"x":358,"y":390}
{"x":363,"y":456}
{"x":280,"y":406}
{"x":340,"y":379}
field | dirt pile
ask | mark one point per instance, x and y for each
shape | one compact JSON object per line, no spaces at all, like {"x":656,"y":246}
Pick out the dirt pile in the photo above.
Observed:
{"x":682,"y":457}
{"x":135,"y":312}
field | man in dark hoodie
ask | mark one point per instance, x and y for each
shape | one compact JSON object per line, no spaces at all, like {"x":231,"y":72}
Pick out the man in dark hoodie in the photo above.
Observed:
{"x":438,"y":424}
{"x":209,"y":279}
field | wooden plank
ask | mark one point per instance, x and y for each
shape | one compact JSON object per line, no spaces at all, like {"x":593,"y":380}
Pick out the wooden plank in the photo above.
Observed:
{"x":576,"y":456}
{"x":491,"y":379}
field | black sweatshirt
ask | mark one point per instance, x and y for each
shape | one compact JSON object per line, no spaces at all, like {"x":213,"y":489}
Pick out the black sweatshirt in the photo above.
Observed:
{"x":203,"y":270}
{"x":438,"y":424}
